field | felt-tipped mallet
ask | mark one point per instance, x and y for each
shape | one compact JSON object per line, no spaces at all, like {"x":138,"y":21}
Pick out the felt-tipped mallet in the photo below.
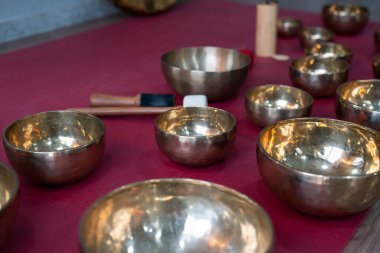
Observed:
{"x":143,"y":100}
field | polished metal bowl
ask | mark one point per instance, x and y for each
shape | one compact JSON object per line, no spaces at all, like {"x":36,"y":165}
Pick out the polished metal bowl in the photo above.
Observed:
{"x":9,"y":188}
{"x":319,"y":166}
{"x":56,"y":147}
{"x":195,"y":136}
{"x":330,"y":50}
{"x":376,"y":36}
{"x":211,"y":71}
{"x":173,"y":216}
{"x":345,"y":18}
{"x":358,"y":101}
{"x":319,"y":77}
{"x":315,"y":34}
{"x":376,"y":66}
{"x":268,"y":104}
{"x":288,"y":27}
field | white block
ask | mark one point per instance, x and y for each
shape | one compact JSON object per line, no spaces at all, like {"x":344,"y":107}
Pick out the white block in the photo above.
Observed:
{"x":195,"y":101}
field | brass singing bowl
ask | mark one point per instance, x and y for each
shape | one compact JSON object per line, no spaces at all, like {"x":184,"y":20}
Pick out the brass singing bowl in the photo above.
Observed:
{"x":319,"y":77}
{"x":345,"y":18}
{"x":267,"y":104}
{"x":175,"y":215}
{"x":212,"y":71}
{"x":56,"y":147}
{"x":319,"y":166}
{"x":330,"y":50}
{"x":315,"y":34}
{"x":376,"y":66}
{"x":195,"y":136}
{"x":358,"y":101}
{"x":9,"y":189}
{"x":288,"y":27}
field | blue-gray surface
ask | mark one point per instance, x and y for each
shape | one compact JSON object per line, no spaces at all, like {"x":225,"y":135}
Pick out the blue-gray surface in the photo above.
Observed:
{"x":24,"y":18}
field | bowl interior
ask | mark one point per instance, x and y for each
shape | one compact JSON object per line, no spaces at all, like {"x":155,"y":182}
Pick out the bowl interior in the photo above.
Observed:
{"x":345,"y":9}
{"x":53,"y":131}
{"x":364,"y":93}
{"x":209,"y":59}
{"x":329,"y":50}
{"x":8,"y":185}
{"x":279,"y":97}
{"x":316,"y":66}
{"x":323,"y":147}
{"x":195,"y":121}
{"x":317,"y":33}
{"x":175,"y":215}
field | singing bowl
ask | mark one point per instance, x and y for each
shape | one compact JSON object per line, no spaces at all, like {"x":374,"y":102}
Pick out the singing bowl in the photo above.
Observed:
{"x":358,"y":101}
{"x":319,"y":166}
{"x":345,"y":18}
{"x":212,"y":71}
{"x":195,"y":136}
{"x":376,"y":66}
{"x":288,"y":27}
{"x":315,"y":34}
{"x":9,"y":188}
{"x":56,"y":147}
{"x":330,"y":50}
{"x":173,"y":216}
{"x":267,"y":104}
{"x":319,"y":77}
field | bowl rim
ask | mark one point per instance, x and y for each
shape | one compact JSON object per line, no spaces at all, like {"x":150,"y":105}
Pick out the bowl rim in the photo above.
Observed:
{"x":305,"y":57}
{"x":305,"y":93}
{"x":246,"y":66}
{"x":14,"y":192}
{"x":191,"y":181}
{"x":95,"y":140}
{"x":343,"y":85}
{"x":345,"y":5}
{"x":318,"y":28}
{"x":198,"y":136}
{"x":315,"y":119}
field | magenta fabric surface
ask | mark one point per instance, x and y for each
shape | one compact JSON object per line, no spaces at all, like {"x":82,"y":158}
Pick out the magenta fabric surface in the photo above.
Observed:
{"x":124,"y":59}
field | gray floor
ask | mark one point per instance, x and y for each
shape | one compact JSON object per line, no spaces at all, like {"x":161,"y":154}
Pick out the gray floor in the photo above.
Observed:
{"x":24,"y":18}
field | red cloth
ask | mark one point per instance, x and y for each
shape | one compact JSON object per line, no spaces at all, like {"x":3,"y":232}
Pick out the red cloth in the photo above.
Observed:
{"x":124,"y":59}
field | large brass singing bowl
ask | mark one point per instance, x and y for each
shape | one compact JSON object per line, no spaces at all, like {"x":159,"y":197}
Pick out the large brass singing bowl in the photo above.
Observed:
{"x":358,"y":101}
{"x":319,"y":77}
{"x":345,"y":18}
{"x":9,"y":188}
{"x":330,"y":50}
{"x":195,"y":136}
{"x":267,"y":104}
{"x":175,"y":216}
{"x":212,"y":71}
{"x":56,"y":147}
{"x":319,"y":166}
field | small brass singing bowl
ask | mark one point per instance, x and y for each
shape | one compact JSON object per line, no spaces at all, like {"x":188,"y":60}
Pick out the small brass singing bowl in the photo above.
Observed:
{"x":319,"y":77}
{"x":268,"y":104}
{"x":195,"y":136}
{"x":212,"y":71}
{"x":330,"y":50}
{"x":9,"y":189}
{"x":358,"y":101}
{"x":376,"y":66}
{"x":315,"y":34}
{"x":319,"y":166}
{"x":175,"y":215}
{"x":56,"y":147}
{"x":288,"y":27}
{"x":345,"y":18}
